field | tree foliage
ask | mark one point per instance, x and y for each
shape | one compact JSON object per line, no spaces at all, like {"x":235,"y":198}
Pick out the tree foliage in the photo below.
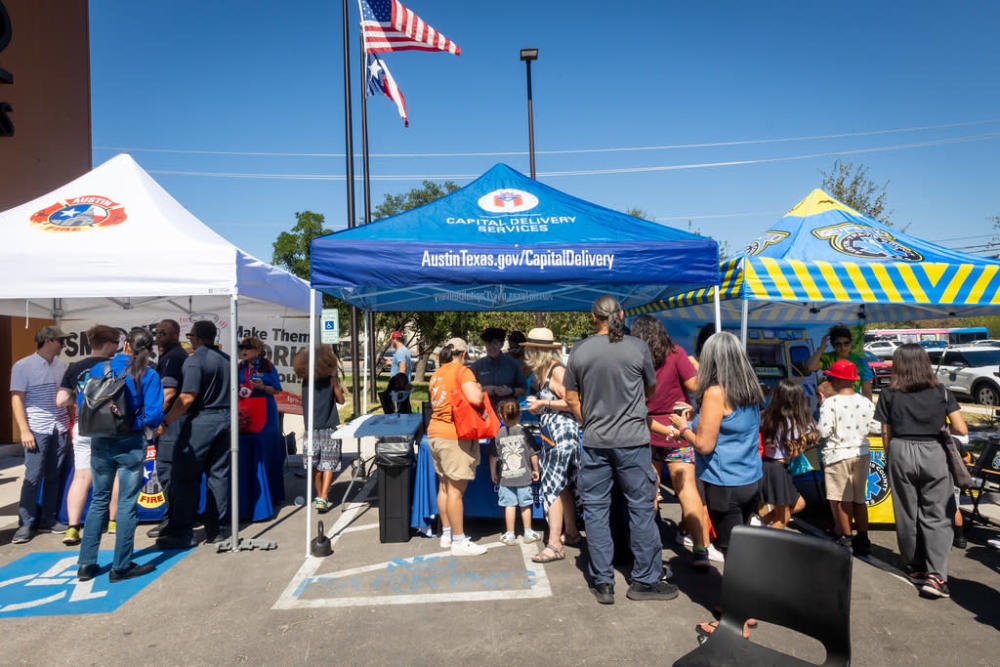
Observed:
{"x":425,"y":194}
{"x":291,"y":248}
{"x":850,"y":184}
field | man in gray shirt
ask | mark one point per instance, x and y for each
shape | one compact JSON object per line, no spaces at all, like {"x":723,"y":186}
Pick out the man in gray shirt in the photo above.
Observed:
{"x":607,"y":381}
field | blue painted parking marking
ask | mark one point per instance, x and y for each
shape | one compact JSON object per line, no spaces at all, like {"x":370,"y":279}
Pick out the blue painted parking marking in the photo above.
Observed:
{"x":45,"y":584}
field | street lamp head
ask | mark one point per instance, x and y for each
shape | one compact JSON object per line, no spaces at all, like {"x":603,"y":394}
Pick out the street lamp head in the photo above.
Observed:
{"x":529,"y":54}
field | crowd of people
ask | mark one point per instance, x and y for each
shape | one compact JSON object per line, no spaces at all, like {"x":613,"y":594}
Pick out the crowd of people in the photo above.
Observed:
{"x":625,"y":404}
{"x":181,"y":403}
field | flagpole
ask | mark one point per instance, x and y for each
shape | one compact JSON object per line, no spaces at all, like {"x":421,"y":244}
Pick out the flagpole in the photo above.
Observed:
{"x":370,"y":321}
{"x":349,"y":151}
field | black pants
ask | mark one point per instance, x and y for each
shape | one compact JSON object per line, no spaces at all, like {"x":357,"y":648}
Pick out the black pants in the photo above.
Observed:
{"x":165,"y":445}
{"x":730,"y":506}
{"x":202,"y":447}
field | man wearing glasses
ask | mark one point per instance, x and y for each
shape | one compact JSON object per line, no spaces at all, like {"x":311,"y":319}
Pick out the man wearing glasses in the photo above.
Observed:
{"x":169,"y":366}
{"x":840,"y":338}
{"x":44,"y":427}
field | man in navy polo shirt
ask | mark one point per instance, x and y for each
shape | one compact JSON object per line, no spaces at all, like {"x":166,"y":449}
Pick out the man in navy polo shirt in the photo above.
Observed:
{"x":500,"y":376}
{"x":203,"y":443}
{"x":44,"y":427}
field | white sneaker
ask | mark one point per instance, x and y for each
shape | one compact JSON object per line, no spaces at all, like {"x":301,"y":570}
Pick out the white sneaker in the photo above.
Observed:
{"x":467,"y":548}
{"x":755,"y":520}
{"x":445,"y":540}
{"x":684,"y":540}
{"x":715,"y":555}
{"x":530,"y":536}
{"x":510,"y":539}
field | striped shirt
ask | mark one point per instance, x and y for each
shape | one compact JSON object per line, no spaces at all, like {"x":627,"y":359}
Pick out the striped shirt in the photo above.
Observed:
{"x":39,"y":380}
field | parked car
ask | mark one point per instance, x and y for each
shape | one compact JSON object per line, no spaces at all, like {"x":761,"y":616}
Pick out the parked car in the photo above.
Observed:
{"x":989,"y":342}
{"x":932,"y":344}
{"x":969,"y":370}
{"x":882,"y":348}
{"x":882,"y":369}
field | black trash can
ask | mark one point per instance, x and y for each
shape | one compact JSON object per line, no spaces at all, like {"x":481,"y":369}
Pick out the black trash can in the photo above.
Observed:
{"x":394,"y":458}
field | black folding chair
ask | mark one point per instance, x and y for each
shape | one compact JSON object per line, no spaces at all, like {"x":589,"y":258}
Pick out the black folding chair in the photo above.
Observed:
{"x":780,"y":577}
{"x":985,"y":470}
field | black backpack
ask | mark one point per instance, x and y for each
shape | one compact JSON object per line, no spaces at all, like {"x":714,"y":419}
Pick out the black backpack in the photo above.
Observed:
{"x":107,"y":410}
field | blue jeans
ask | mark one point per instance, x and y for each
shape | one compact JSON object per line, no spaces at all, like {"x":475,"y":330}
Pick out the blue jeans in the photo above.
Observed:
{"x":43,"y":465}
{"x":108,"y":457}
{"x":633,"y":469}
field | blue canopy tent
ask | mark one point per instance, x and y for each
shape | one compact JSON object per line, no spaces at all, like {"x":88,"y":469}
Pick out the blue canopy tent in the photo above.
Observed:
{"x":824,"y":263}
{"x":507,"y":242}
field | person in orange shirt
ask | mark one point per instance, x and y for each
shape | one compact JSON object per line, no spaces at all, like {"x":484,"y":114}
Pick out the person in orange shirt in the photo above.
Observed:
{"x":455,"y":460}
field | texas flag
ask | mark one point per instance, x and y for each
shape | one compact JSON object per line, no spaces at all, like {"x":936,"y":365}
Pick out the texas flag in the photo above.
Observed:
{"x":380,"y":81}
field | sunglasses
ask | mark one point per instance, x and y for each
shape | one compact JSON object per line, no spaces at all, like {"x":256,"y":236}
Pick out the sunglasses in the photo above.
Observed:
{"x":246,"y":347}
{"x":161,"y":332}
{"x":61,"y":341}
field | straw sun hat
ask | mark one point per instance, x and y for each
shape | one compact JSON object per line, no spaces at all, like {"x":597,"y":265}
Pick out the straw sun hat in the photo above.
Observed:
{"x":541,"y":337}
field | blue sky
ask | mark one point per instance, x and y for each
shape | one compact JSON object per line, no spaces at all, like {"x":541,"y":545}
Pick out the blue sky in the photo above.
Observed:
{"x":266,"y":77}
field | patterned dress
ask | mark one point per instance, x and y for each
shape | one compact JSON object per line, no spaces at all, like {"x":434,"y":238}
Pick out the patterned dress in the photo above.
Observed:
{"x":560,"y":455}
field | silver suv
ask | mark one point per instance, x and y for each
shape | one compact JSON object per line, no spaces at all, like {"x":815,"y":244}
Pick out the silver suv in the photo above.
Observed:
{"x":969,"y":370}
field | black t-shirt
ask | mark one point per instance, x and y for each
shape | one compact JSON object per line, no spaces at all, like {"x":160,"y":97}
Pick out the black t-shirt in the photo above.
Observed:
{"x":513,"y":450}
{"x":77,"y":372}
{"x":916,"y":415}
{"x":170,"y":367}
{"x":206,"y":373}
{"x":325,"y":415}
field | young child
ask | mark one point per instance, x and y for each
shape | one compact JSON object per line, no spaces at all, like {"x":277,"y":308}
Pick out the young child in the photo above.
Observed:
{"x":514,"y":466}
{"x":787,"y":430}
{"x":844,"y":420}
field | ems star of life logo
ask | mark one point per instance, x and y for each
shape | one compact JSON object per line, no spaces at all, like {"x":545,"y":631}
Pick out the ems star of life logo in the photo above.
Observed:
{"x":878,"y":480}
{"x":508,"y":200}
{"x":79,"y":214}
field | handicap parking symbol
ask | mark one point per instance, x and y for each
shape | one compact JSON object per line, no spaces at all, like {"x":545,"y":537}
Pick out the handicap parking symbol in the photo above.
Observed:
{"x":45,"y":584}
{"x":330,"y":326}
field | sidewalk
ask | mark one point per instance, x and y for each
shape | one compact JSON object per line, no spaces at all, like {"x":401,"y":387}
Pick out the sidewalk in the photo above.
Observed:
{"x":375,"y":603}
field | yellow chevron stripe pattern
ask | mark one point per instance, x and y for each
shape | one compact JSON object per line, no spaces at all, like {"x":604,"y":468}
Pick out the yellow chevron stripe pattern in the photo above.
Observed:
{"x":832,"y":281}
{"x":780,"y":282}
{"x":753,"y":282}
{"x":802,"y":273}
{"x":980,"y":287}
{"x":956,"y":283}
{"x":854,"y":271}
{"x":882,"y":276}
{"x":912,"y":283}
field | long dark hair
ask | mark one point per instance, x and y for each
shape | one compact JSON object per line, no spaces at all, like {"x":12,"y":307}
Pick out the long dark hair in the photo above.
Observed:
{"x":785,"y":415}
{"x":607,"y":309}
{"x":141,"y":343}
{"x":650,"y":330}
{"x":911,"y":369}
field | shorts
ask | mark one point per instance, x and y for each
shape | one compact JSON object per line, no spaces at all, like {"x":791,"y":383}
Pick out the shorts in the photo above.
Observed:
{"x":515,"y":496}
{"x":673,"y":454}
{"x":81,"y":449}
{"x":847,"y":480}
{"x":454,"y":459}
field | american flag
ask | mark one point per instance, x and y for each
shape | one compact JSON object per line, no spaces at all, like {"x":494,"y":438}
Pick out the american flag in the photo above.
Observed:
{"x":380,"y":81}
{"x":387,"y":25}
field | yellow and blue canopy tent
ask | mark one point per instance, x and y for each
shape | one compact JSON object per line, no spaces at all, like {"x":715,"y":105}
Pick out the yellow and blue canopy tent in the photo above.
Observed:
{"x":824,"y":262}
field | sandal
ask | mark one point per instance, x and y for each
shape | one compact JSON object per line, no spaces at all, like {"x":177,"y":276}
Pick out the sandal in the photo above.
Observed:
{"x":706,"y":629}
{"x":322,"y":505}
{"x":572,"y":541}
{"x":558,"y":553}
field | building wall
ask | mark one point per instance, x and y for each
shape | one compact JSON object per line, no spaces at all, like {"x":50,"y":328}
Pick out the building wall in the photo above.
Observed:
{"x":44,"y":129}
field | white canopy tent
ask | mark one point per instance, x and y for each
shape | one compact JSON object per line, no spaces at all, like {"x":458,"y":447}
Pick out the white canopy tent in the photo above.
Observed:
{"x":113,"y":242}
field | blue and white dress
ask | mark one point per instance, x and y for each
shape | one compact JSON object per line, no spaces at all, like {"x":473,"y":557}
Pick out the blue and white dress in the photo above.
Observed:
{"x":560,"y":455}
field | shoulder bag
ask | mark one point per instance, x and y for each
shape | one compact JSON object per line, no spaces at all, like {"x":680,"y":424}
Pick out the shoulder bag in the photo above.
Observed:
{"x":960,"y":476}
{"x":472,"y":423}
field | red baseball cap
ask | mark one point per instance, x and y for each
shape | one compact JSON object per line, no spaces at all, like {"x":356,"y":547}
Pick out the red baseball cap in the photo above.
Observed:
{"x":843,"y":369}
{"x":395,"y":335}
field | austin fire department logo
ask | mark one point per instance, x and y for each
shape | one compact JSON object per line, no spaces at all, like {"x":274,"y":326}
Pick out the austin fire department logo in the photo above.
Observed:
{"x":151,"y":495}
{"x":769,"y":238}
{"x":863,"y":241}
{"x":78,"y":214}
{"x":508,"y":200}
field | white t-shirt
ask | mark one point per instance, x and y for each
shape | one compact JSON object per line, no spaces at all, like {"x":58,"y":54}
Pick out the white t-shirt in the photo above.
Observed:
{"x":40,"y":380}
{"x":844,"y":421}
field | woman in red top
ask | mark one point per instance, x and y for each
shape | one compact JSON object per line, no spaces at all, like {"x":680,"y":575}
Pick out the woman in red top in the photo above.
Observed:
{"x":675,"y":377}
{"x":455,"y":460}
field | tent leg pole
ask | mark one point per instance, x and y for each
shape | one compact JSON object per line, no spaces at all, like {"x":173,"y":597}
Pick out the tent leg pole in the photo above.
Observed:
{"x":718,"y":309}
{"x":234,"y":431}
{"x":311,"y":392}
{"x":743,"y":322}
{"x":369,"y":363}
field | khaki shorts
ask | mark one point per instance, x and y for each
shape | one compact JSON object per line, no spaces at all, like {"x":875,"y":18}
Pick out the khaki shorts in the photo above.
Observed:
{"x":846,"y":480}
{"x":454,"y":459}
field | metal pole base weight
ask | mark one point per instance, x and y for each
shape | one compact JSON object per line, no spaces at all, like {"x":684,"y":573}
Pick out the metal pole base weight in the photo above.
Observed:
{"x":246,"y":544}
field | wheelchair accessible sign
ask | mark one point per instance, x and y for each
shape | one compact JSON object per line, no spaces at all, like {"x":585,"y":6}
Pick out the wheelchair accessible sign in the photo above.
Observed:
{"x":330,"y":331}
{"x":45,"y":584}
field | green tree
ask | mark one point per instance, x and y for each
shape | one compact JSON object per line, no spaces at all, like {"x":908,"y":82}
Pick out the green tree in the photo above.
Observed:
{"x":425,"y":194}
{"x":291,"y":249}
{"x":850,"y":184}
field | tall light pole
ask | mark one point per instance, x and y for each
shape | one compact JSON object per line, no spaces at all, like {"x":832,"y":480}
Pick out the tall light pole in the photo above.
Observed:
{"x":527,"y":55}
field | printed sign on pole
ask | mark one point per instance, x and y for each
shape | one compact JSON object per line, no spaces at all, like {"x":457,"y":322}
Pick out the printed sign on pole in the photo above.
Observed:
{"x":330,"y":328}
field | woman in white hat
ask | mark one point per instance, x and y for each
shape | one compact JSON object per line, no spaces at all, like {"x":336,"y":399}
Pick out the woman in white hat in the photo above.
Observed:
{"x":560,"y":455}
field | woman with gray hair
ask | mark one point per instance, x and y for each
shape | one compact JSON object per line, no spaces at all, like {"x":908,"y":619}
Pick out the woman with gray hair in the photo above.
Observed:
{"x":560,"y":455}
{"x":725,"y":434}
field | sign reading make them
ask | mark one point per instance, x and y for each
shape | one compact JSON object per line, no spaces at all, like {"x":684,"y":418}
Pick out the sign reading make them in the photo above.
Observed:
{"x":45,"y":584}
{"x":330,"y":329}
